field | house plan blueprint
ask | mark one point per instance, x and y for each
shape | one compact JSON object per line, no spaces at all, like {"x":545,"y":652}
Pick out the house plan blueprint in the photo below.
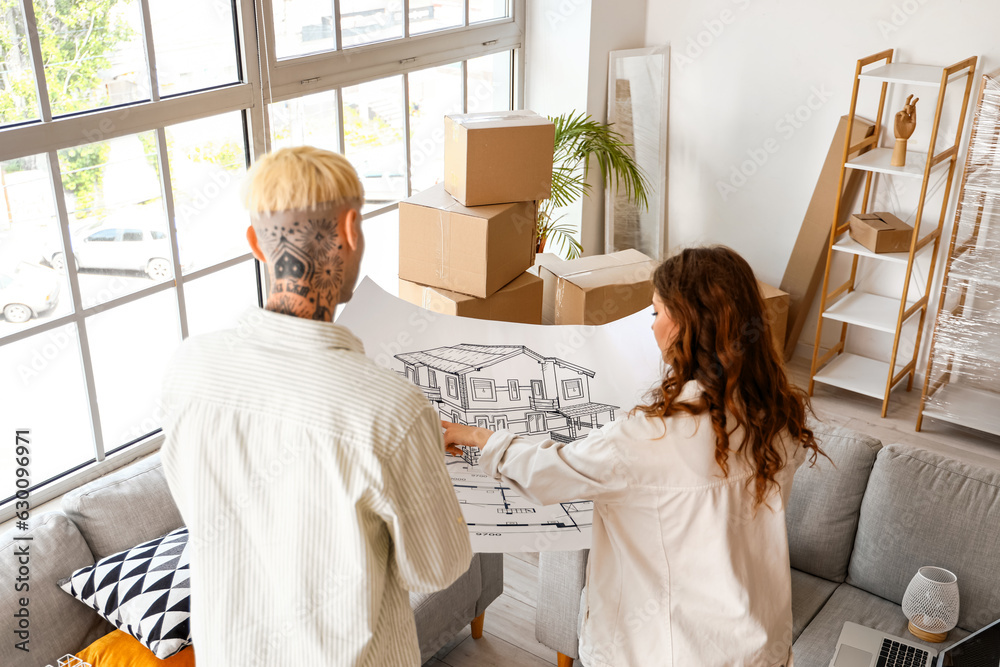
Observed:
{"x":540,"y":382}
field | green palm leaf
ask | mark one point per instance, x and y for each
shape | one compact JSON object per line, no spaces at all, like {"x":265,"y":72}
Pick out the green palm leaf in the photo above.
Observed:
{"x":578,"y":137}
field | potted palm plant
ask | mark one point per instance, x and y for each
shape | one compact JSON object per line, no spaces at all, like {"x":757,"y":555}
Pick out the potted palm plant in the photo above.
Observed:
{"x":578,"y":138}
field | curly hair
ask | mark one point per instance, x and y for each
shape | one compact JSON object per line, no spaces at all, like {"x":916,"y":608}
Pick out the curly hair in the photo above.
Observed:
{"x":724,"y":343}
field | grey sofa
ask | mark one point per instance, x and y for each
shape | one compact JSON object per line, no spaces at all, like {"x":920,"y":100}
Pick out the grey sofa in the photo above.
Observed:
{"x":133,"y":505}
{"x":857,"y":534}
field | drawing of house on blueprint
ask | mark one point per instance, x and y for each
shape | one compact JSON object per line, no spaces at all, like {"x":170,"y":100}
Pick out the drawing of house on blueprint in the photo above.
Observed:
{"x":513,"y":388}
{"x":508,"y":387}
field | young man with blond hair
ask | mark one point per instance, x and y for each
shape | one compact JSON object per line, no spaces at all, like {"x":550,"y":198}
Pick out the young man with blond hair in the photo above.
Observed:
{"x":311,"y":481}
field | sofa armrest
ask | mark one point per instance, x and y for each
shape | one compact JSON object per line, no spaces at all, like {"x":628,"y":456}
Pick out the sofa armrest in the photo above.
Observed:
{"x":561,"y":578}
{"x":492,"y":580}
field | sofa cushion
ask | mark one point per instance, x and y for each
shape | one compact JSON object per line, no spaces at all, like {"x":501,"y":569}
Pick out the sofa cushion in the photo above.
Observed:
{"x":145,"y":591}
{"x":58,"y":623}
{"x":822,"y":514}
{"x":816,"y":644}
{"x":441,"y":615}
{"x":120,"y":510}
{"x":922,"y":508}
{"x":120,"y":649}
{"x":809,"y":594}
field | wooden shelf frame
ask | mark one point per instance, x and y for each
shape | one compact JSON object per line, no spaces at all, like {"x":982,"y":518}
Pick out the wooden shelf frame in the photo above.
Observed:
{"x":869,"y":156}
{"x":974,"y":197}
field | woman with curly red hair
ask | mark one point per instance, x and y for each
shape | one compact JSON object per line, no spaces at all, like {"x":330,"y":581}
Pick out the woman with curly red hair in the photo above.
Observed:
{"x":689,"y":563}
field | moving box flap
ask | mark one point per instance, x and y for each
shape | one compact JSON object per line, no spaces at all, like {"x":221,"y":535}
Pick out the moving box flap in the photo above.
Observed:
{"x":769,"y":291}
{"x":620,"y":268}
{"x":572,"y":268}
{"x":437,"y":197}
{"x":880,"y":221}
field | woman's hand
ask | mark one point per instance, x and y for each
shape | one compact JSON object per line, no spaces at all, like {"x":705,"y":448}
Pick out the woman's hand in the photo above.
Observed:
{"x":460,"y":435}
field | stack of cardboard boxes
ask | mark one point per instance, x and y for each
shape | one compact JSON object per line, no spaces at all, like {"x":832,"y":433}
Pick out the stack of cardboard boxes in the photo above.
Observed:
{"x":465,"y":246}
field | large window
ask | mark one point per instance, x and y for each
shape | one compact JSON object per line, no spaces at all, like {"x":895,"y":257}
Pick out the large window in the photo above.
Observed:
{"x":359,"y":86}
{"x":125,"y":132}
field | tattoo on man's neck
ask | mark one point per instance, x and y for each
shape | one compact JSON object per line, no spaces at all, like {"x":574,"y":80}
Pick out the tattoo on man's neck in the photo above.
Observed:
{"x":307,"y":273}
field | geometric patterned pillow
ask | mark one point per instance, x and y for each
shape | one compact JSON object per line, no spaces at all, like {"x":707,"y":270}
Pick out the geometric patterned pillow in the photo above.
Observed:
{"x":144,"y":591}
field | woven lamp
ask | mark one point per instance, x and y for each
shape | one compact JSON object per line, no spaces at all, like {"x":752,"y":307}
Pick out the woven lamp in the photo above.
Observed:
{"x":931,"y":604}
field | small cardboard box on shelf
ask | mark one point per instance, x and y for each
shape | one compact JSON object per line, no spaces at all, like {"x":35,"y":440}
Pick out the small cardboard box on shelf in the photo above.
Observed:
{"x":498,"y":157}
{"x":598,"y":289}
{"x":881,"y":232}
{"x":776,"y":312}
{"x":473,"y":251}
{"x":518,"y":301}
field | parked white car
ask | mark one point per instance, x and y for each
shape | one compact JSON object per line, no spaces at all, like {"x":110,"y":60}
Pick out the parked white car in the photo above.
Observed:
{"x":28,"y":291}
{"x":136,"y":248}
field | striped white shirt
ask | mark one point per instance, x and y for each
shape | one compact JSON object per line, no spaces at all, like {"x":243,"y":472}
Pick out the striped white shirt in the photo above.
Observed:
{"x":314,"y":488}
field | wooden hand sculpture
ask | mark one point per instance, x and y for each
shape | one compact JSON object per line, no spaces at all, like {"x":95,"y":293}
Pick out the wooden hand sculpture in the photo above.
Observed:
{"x":906,"y":122}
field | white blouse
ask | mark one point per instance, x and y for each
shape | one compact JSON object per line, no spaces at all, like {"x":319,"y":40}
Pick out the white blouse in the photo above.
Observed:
{"x":682,"y":570}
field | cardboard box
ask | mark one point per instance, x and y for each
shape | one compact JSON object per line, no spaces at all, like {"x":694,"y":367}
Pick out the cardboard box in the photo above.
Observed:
{"x":601,"y":288}
{"x":518,"y":301}
{"x":804,"y":272}
{"x":881,"y":232}
{"x":776,"y":313}
{"x":473,"y":251}
{"x":498,"y":157}
{"x":547,"y":260}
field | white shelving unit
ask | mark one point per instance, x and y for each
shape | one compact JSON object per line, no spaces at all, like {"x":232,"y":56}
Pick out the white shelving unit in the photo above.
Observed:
{"x":962,"y":383}
{"x":855,"y":373}
{"x":846,"y":305}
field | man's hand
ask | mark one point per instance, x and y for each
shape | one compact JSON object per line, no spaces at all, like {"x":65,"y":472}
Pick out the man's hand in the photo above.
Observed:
{"x":460,"y":435}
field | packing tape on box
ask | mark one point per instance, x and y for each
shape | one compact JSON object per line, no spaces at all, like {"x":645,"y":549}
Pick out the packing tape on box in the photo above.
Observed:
{"x":637,"y":271}
{"x":444,"y":220}
{"x":462,"y":119}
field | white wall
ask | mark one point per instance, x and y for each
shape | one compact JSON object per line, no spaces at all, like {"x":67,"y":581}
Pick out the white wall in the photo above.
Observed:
{"x":740,"y":68}
{"x":567,"y":47}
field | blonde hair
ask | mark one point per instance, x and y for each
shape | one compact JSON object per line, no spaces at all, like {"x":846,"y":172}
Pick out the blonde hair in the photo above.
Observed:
{"x":300,"y":178}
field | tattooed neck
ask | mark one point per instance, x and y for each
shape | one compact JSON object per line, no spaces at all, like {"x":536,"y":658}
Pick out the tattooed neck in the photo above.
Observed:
{"x":304,"y":265}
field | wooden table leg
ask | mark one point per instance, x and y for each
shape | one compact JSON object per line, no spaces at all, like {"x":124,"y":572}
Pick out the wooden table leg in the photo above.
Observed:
{"x":477,"y":626}
{"x":565,"y":660}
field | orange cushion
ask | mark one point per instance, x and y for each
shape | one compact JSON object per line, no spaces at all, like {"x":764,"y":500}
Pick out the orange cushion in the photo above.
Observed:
{"x":120,"y":649}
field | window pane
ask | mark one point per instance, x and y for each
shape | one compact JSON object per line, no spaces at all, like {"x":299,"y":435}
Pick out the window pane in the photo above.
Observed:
{"x":426,"y":16}
{"x":30,"y":292}
{"x":217,"y":301}
{"x":485,"y":10}
{"x":207,"y":163}
{"x":489,"y":82}
{"x":44,"y":391}
{"x":381,"y":260}
{"x":195,"y":44}
{"x":93,"y":53}
{"x":112,"y":186}
{"x":367,"y":21}
{"x":303,"y":26}
{"x":310,"y":120}
{"x":434,"y":93}
{"x":130,"y":347}
{"x":18,"y":96}
{"x":373,"y":136}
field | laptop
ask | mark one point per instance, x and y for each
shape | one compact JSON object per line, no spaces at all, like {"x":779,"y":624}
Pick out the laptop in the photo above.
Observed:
{"x":859,"y":646}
